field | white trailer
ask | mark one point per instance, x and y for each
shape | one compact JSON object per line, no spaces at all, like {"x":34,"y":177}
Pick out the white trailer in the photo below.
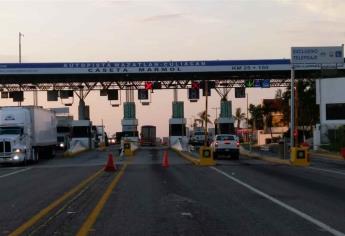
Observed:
{"x":27,"y":133}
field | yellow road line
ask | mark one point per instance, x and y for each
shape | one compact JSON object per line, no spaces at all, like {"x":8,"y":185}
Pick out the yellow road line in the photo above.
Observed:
{"x":91,"y":219}
{"x":187,"y":157}
{"x":33,"y":220}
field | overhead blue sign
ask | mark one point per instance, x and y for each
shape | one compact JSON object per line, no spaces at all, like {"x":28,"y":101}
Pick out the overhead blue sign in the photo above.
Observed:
{"x":151,"y":67}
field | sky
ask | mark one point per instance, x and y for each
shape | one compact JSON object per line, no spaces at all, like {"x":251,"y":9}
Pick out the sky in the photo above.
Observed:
{"x":74,"y":31}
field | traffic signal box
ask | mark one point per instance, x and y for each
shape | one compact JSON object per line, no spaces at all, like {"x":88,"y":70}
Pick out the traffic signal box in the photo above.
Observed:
{"x":206,"y":156}
{"x":299,"y":157}
{"x":127,"y":150}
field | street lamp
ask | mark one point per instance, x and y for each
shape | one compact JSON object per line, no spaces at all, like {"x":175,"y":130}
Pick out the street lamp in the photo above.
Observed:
{"x":20,"y":46}
{"x":20,"y":53}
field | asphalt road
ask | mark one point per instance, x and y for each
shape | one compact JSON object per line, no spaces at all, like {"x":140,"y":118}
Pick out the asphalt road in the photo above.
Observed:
{"x":245,"y":197}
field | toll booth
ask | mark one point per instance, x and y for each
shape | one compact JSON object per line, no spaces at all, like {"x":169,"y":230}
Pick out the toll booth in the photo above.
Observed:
{"x":225,"y":121}
{"x":129,"y":122}
{"x":177,"y":124}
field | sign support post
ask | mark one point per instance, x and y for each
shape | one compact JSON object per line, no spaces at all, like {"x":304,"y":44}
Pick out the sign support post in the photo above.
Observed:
{"x":304,"y":57}
{"x":292,"y":107}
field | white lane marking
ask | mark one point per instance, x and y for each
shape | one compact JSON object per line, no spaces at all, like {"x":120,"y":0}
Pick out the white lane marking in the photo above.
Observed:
{"x":327,"y":170}
{"x":282,"y":204}
{"x":14,"y":172}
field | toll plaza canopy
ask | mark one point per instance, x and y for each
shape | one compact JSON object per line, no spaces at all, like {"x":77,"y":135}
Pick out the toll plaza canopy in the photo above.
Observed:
{"x":119,"y":72}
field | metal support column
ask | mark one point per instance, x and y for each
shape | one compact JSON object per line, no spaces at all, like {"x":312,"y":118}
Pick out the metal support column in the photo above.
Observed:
{"x":81,"y":109}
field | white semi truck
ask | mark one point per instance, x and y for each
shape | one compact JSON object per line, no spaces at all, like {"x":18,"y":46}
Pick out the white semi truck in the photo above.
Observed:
{"x":27,"y":133}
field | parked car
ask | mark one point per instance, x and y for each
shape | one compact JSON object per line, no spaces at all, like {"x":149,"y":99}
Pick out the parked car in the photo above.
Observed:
{"x":226,"y":145}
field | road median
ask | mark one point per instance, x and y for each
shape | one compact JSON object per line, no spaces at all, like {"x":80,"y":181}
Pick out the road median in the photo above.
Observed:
{"x":186,"y":156}
{"x":258,"y":156}
{"x":332,"y":156}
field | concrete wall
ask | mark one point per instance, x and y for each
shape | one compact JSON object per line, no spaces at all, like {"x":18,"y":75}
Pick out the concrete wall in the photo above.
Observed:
{"x":332,"y":90}
{"x":328,"y":90}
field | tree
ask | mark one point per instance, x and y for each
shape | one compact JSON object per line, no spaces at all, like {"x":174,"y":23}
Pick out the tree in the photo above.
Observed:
{"x":239,"y":116}
{"x":256,"y":116}
{"x":270,"y":106}
{"x":308,"y":110}
{"x":203,"y":119}
{"x":279,"y":94}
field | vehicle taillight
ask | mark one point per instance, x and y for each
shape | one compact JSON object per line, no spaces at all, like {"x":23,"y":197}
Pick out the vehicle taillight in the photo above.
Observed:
{"x":238,"y":144}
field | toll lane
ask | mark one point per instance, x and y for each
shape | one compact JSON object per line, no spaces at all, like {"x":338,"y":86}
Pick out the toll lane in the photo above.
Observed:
{"x":327,"y":163}
{"x":245,"y":197}
{"x":319,"y":194}
{"x":188,"y":200}
{"x":34,"y":187}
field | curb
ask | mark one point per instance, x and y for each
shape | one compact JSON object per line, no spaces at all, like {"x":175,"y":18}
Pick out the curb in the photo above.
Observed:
{"x":266,"y":158}
{"x":187,"y":157}
{"x":73,"y":154}
{"x":327,"y":155}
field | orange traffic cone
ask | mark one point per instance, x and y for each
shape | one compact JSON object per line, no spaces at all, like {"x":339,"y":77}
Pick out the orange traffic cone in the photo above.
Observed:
{"x":110,"y":166}
{"x":165,"y":163}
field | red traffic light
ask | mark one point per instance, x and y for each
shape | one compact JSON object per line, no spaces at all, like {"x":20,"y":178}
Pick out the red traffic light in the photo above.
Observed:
{"x":195,"y":85}
{"x":148,"y":85}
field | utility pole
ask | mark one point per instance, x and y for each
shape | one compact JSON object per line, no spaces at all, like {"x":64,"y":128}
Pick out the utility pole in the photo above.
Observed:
{"x":20,"y":54}
{"x":292,"y":107}
{"x":206,"y":113}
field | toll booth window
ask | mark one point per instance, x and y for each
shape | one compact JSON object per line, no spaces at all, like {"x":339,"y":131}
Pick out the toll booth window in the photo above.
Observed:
{"x":81,"y":132}
{"x":177,"y":130}
{"x":226,"y":128}
{"x":335,"y":111}
{"x":61,"y":129}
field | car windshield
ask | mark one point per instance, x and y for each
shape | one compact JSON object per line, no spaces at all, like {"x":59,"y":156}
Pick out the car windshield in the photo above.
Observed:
{"x":11,"y":130}
{"x":199,"y":133}
{"x":225,"y":137}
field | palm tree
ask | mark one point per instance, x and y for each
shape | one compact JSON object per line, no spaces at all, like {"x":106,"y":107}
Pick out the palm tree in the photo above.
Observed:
{"x":203,"y":119}
{"x":239,"y":116}
{"x":256,"y":114}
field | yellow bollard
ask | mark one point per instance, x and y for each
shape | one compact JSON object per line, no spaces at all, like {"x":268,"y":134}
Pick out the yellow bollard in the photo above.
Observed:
{"x":206,"y":156}
{"x":127,"y":150}
{"x":299,"y":157}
